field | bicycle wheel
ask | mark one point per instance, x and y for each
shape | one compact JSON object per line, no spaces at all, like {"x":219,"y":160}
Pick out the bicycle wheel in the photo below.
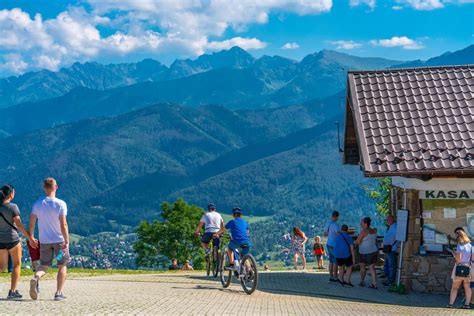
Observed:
{"x":215,"y":261}
{"x":208,"y":265}
{"x":249,"y":277}
{"x":226,"y":275}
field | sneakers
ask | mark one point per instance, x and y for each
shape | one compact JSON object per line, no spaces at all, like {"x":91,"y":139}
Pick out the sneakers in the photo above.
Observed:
{"x":59,"y":297}
{"x":333,"y":280}
{"x":14,"y":295}
{"x":34,"y":289}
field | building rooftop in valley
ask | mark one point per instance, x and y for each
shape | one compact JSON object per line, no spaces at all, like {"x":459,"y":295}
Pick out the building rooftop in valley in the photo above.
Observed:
{"x":411,"y":121}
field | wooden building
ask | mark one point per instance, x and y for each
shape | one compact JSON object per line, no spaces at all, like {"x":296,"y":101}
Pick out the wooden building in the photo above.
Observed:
{"x":417,"y":126}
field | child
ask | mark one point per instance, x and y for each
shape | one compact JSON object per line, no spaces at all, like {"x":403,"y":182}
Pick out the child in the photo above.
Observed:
{"x":34,"y":255}
{"x":239,"y":230}
{"x":318,"y":250}
{"x":345,"y":257}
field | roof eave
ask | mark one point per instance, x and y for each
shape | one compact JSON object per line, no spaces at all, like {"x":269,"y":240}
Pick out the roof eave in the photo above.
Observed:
{"x":359,"y":130}
{"x":432,"y":173}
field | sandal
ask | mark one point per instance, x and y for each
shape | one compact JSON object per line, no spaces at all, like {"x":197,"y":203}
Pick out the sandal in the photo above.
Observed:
{"x":466,"y":307}
{"x":362,"y":284}
{"x":349,"y":284}
{"x":372,"y":286}
{"x":450,"y":306}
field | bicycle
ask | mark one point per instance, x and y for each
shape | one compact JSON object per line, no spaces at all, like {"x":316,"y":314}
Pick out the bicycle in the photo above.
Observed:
{"x":212,"y":261}
{"x":245,"y":269}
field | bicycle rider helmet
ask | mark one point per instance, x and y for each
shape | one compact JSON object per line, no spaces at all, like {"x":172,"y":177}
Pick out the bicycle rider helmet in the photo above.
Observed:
{"x":211,"y":206}
{"x":236,"y":210}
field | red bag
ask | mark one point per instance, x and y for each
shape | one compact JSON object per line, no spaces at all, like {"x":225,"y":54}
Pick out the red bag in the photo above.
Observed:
{"x":34,"y":253}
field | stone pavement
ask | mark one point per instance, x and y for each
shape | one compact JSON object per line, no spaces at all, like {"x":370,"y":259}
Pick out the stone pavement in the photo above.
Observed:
{"x":279,"y":293}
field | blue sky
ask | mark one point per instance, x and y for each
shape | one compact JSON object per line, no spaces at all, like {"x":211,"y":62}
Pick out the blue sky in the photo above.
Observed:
{"x":36,"y":34}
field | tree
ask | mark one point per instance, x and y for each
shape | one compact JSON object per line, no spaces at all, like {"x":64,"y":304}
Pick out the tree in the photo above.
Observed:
{"x":381,"y":195}
{"x":173,"y":237}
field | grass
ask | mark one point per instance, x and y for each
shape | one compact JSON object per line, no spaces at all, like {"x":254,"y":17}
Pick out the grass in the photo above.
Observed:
{"x":75,"y":272}
{"x":250,"y":219}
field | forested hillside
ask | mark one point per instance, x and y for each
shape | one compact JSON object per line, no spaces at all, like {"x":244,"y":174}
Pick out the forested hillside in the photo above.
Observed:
{"x":121,"y":146}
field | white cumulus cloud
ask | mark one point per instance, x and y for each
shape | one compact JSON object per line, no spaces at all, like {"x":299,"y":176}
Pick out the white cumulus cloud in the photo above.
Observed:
{"x":183,"y":27}
{"x":291,"y":45}
{"x":13,"y":63}
{"x":370,"y":3}
{"x":428,"y":5}
{"x":245,"y":43}
{"x":341,"y":44}
{"x":425,"y":4}
{"x":398,"y":41}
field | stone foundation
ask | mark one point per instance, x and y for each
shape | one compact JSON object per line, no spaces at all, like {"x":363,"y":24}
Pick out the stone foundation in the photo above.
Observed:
{"x":430,"y":273}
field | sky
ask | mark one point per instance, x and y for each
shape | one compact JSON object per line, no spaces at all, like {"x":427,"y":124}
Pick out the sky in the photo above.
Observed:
{"x":50,"y":34}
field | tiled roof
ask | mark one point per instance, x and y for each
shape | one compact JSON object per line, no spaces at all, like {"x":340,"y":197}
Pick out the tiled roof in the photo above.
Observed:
{"x":413,"y":121}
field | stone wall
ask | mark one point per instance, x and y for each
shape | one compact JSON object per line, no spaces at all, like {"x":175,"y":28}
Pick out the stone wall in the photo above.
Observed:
{"x":431,"y":273}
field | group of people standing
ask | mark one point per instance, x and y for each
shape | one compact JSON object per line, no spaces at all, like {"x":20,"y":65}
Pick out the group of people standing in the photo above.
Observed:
{"x":342,"y":256}
{"x":53,"y":237}
{"x":186,"y":266}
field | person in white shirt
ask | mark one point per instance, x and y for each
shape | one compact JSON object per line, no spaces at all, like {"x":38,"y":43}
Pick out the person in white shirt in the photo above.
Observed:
{"x":51,"y":212}
{"x":462,"y":257}
{"x":213,"y":223}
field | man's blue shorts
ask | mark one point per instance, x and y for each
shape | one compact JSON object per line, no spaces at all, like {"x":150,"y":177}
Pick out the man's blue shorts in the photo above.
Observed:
{"x":332,"y":258}
{"x":243,"y":251}
{"x":207,"y":237}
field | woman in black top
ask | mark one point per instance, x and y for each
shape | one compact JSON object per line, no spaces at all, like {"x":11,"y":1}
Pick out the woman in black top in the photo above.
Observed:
{"x":10,"y":242}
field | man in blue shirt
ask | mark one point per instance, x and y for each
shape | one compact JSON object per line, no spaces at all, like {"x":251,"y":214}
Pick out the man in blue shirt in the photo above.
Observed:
{"x":390,"y":244}
{"x":239,"y":230}
{"x":345,"y":257}
{"x":331,"y":229}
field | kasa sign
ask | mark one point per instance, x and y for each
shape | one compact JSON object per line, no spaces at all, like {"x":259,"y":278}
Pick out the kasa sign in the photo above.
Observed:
{"x":445,"y":194}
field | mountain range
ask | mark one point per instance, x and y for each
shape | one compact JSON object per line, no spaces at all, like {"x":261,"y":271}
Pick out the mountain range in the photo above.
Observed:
{"x":234,"y":66}
{"x":460,"y":57}
{"x":225,"y":127}
{"x":231,"y":78}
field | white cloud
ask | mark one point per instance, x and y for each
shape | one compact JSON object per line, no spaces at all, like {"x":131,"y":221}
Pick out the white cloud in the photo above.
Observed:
{"x":181,"y":27}
{"x":425,"y":4}
{"x":47,"y":62}
{"x":398,"y":41}
{"x":291,"y":45}
{"x":245,"y":43}
{"x":370,"y":3}
{"x":13,"y":64}
{"x":346,"y":44}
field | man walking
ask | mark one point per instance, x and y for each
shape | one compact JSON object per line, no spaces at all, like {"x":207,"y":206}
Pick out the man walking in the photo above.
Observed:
{"x":390,"y":247}
{"x":53,"y":232}
{"x":331,"y":229}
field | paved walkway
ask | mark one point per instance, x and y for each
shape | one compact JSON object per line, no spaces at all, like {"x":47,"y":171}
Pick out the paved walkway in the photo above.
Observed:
{"x":280,"y":293}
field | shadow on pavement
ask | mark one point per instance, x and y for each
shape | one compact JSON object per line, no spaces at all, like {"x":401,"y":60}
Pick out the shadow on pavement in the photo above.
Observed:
{"x":317,"y":285}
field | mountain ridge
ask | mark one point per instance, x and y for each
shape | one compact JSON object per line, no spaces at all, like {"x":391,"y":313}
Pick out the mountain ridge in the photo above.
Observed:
{"x":45,"y":84}
{"x":460,"y":57}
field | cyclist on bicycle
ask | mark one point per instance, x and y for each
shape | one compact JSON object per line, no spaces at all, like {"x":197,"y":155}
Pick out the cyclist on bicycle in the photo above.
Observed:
{"x":213,"y":223}
{"x":240,"y":232}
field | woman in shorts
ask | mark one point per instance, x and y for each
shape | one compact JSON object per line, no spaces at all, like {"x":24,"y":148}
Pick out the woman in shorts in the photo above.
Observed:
{"x":10,"y":242}
{"x":368,"y":251}
{"x":462,"y":256}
